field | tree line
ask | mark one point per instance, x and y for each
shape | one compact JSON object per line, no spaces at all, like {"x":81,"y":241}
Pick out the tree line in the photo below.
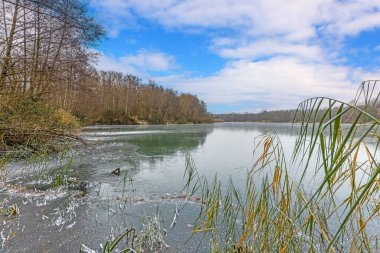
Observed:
{"x":288,"y":116}
{"x":265,"y":116}
{"x":45,"y":55}
{"x":113,"y":97}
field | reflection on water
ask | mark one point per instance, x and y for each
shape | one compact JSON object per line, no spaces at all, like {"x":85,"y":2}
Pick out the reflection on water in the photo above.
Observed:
{"x":168,"y":143}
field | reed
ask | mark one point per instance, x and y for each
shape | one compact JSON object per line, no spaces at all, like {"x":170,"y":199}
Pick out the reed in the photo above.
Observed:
{"x":324,"y":198}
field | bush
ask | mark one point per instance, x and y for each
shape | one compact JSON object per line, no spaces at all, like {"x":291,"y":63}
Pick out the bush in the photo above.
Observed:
{"x":27,"y":123}
{"x":65,"y":120}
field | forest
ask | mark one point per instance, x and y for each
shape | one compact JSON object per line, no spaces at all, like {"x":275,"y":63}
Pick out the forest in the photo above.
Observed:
{"x":48,"y":81}
{"x":46,"y":55}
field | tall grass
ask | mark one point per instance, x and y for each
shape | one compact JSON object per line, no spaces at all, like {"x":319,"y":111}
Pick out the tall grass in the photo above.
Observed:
{"x":324,"y":198}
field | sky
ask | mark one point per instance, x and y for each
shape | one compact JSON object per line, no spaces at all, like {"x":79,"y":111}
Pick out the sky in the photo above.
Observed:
{"x":244,"y":55}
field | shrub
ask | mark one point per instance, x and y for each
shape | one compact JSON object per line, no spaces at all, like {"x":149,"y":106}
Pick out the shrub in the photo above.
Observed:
{"x":28,"y":124}
{"x":65,"y":120}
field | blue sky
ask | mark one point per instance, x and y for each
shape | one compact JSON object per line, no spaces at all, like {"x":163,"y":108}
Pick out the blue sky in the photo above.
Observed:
{"x":244,"y":55}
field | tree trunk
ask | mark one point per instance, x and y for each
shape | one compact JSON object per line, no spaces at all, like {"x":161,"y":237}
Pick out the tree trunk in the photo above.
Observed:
{"x":7,"y":60}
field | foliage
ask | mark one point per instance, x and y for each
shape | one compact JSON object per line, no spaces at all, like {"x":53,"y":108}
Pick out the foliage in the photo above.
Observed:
{"x":45,"y":54}
{"x":27,"y":124}
{"x":12,"y":210}
{"x":325,"y":198}
{"x":115,"y":98}
{"x":24,"y":112}
{"x":151,"y":237}
{"x":128,"y":234}
{"x":66,"y":120}
{"x":60,"y":178}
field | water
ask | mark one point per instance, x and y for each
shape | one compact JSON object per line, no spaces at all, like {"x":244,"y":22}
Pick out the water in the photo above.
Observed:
{"x":153,"y":157}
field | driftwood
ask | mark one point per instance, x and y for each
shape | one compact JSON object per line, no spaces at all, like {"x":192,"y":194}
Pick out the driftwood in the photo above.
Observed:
{"x":116,"y":171}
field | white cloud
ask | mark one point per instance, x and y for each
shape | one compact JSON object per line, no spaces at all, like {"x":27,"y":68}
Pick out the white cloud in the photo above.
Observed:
{"x":256,"y":17}
{"x":281,"y":82}
{"x":272,"y":47}
{"x":353,"y":17}
{"x":115,"y":15}
{"x":156,"y":61}
{"x":141,"y":63}
{"x":278,"y":52}
{"x":296,"y":19}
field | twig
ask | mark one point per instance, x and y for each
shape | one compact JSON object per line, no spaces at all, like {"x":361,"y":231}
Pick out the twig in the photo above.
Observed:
{"x":176,"y":214}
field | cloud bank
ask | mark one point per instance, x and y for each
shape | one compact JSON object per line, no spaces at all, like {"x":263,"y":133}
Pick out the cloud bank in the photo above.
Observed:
{"x":277,"y":53}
